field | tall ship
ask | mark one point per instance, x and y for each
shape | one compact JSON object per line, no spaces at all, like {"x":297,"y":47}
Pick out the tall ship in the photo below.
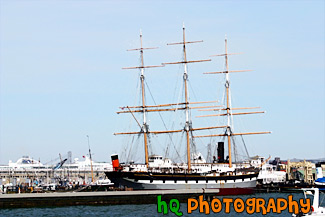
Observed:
{"x":159,"y":172}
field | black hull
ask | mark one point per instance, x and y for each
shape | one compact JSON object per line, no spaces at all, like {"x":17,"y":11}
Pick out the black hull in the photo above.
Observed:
{"x":227,"y":185}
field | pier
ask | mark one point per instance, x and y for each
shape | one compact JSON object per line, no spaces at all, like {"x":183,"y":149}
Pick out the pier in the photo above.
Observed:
{"x":98,"y":198}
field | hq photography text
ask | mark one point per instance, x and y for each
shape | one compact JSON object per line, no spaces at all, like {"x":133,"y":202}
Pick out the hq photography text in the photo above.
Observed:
{"x":250,"y":205}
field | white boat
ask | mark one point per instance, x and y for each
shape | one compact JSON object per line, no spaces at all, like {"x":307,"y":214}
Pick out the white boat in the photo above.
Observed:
{"x":23,"y":163}
{"x":268,"y":172}
{"x":316,"y":209}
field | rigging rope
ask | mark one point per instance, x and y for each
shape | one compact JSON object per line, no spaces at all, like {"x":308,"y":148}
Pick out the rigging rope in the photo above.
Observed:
{"x":131,"y":137}
{"x":235,"y":148}
{"x":160,"y":115}
{"x":244,"y":145}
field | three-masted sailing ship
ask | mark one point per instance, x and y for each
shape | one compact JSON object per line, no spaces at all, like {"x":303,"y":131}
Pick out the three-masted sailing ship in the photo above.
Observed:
{"x":160,"y":173}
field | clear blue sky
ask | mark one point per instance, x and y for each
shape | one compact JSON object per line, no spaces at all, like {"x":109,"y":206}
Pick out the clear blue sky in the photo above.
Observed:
{"x":61,"y":76}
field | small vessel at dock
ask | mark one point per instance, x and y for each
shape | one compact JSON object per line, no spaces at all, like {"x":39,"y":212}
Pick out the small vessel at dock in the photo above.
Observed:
{"x":316,"y":209}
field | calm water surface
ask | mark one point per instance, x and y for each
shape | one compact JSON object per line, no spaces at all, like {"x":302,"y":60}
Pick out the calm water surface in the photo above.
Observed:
{"x":140,"y":210}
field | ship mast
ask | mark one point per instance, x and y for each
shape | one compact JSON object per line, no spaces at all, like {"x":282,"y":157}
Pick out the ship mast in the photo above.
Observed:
{"x":144,"y":127}
{"x":228,"y":104}
{"x":91,"y":162}
{"x":188,"y":123}
{"x":228,"y":132}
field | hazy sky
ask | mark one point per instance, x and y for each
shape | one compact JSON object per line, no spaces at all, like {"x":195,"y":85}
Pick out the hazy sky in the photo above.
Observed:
{"x":61,"y":76}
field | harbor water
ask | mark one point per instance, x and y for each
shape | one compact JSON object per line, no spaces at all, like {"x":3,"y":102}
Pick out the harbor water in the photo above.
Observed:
{"x":145,"y":209}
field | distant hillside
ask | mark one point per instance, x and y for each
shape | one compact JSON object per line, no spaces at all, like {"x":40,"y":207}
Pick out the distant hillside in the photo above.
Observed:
{"x":311,"y":160}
